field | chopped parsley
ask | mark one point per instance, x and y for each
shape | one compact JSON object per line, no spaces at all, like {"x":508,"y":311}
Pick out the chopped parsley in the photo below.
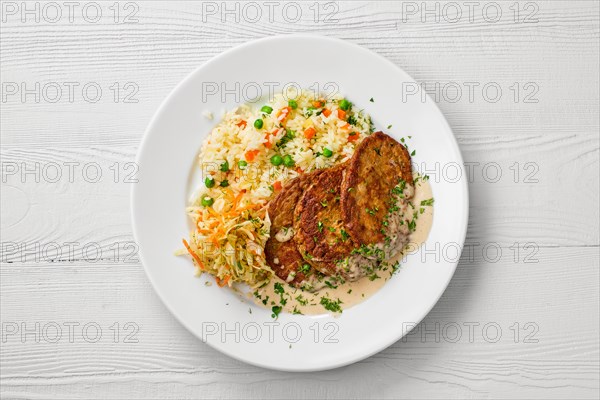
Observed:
{"x":301,"y":300}
{"x":331,"y":305}
{"x":412,"y":225}
{"x":370,"y":251}
{"x":331,"y":285}
{"x":399,"y":188}
{"x":345,"y":235}
{"x":373,"y":276}
{"x":371,"y":211}
{"x":305,"y":268}
{"x":278,"y":288}
{"x":276,"y":310}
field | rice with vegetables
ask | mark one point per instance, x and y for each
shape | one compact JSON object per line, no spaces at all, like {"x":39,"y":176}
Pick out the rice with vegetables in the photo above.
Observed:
{"x":247,"y":158}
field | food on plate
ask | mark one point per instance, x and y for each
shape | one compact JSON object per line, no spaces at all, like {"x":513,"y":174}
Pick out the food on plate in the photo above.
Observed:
{"x":376,"y":193}
{"x":320,"y":231}
{"x":281,"y":250}
{"x":305,"y":204}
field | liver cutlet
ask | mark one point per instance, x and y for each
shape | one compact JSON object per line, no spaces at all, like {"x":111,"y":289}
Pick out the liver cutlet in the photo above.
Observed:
{"x":280,"y":250}
{"x":378,"y":165}
{"x":319,"y":229}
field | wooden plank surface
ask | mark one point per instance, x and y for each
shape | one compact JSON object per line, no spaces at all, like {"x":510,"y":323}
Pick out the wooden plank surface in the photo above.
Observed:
{"x":545,"y":142}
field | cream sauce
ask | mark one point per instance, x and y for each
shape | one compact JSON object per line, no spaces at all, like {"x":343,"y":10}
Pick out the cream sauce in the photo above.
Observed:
{"x":350,"y":293}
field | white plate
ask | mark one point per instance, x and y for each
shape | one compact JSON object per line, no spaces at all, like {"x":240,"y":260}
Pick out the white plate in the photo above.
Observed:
{"x":167,"y":164}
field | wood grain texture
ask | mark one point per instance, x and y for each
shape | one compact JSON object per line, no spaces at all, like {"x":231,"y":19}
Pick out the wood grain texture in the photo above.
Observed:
{"x":559,"y":359}
{"x":550,"y":289}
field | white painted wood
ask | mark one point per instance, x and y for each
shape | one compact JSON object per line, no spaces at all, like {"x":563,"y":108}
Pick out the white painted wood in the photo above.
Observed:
{"x":559,"y":135}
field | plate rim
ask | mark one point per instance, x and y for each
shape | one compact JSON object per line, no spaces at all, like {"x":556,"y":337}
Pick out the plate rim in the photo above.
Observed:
{"x":464,"y":189}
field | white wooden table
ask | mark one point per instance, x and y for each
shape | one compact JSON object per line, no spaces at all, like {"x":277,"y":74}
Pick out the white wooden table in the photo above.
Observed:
{"x":519,"y":319}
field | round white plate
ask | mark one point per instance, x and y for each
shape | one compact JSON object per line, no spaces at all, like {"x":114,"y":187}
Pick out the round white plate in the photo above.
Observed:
{"x":167,"y":167}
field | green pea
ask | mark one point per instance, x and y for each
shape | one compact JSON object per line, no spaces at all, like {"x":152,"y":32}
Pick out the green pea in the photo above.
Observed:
{"x":209,"y":182}
{"x":288,"y":161}
{"x":345,"y":104}
{"x":242,"y":164}
{"x":207,"y":201}
{"x":258,"y":124}
{"x":293,"y":104}
{"x":276,"y":160}
{"x":224,"y":167}
{"x":326,"y":152}
{"x":224,"y":183}
{"x":267,"y":109}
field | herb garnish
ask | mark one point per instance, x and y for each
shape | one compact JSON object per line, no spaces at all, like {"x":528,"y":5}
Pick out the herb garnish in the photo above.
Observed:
{"x":276,"y":310}
{"x":301,"y":300}
{"x":278,"y":288}
{"x":331,"y":305}
{"x":305,"y":268}
{"x":345,"y":235}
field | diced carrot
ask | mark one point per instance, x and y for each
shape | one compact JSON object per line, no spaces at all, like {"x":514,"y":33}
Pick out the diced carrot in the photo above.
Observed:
{"x":267,"y":142}
{"x":346,"y":126}
{"x":326,"y":112}
{"x":222,"y":282}
{"x":341,"y":114}
{"x":299,"y":170}
{"x":241,"y":124}
{"x":317,"y":104}
{"x":198,"y":261}
{"x":352,"y":136}
{"x":277,"y":185}
{"x":283,"y":113}
{"x":309,"y":133}
{"x":251,"y":155}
